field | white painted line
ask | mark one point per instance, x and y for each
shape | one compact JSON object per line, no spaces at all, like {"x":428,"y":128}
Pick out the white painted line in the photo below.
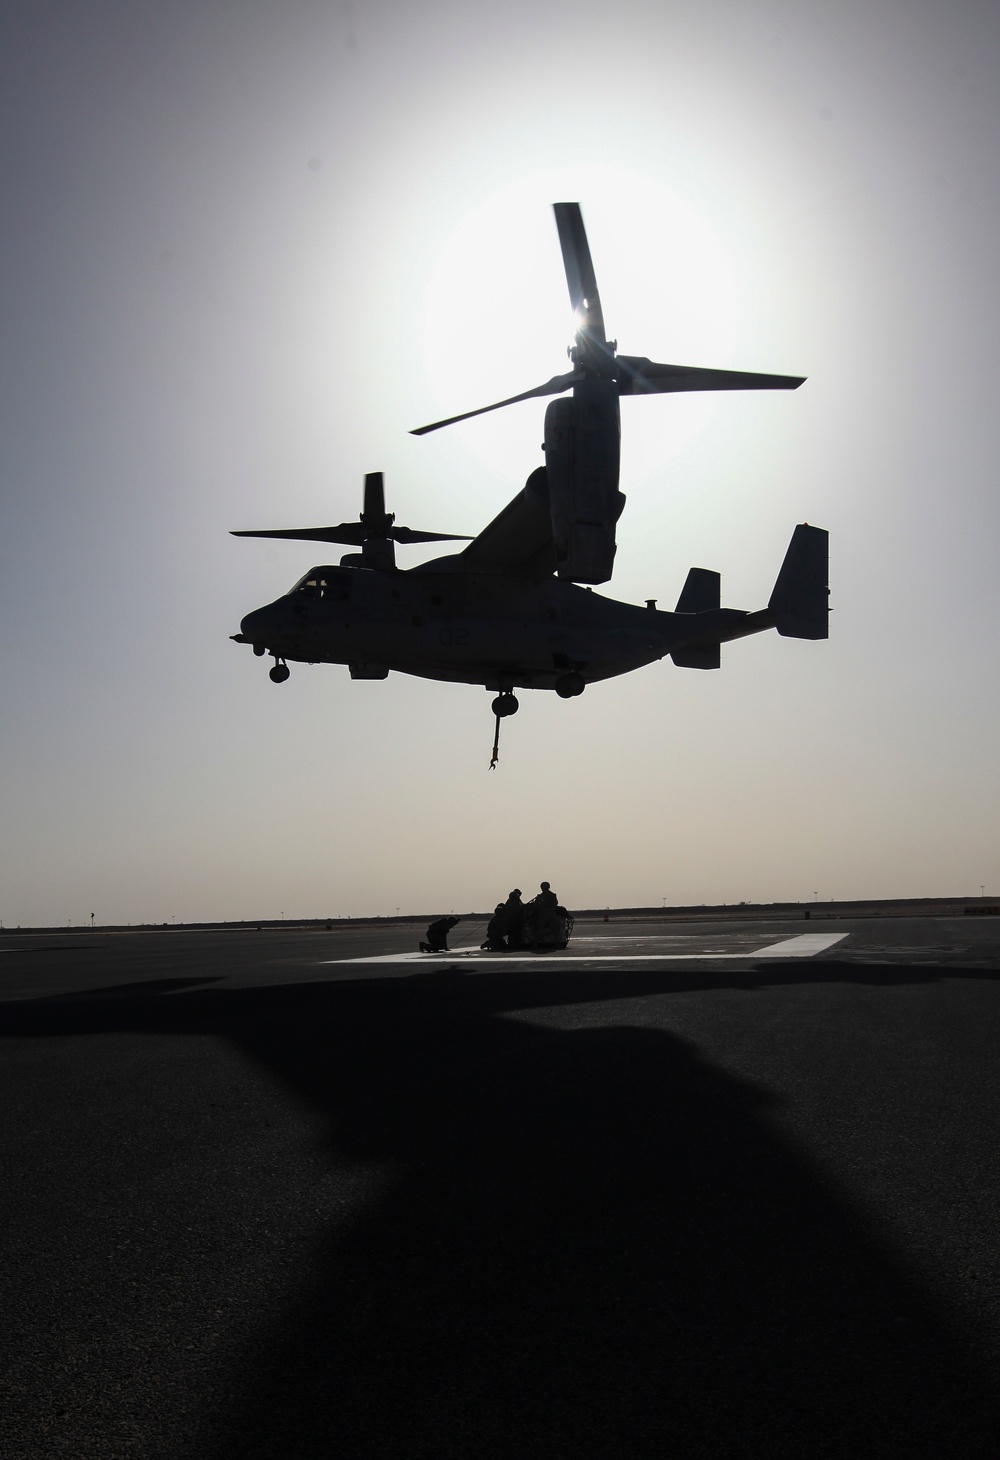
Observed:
{"x":804,"y":946}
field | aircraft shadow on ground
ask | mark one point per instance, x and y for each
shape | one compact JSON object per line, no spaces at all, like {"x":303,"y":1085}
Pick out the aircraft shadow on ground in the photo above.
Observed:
{"x":140,"y":987}
{"x":126,"y":1006}
{"x":597,"y":1244}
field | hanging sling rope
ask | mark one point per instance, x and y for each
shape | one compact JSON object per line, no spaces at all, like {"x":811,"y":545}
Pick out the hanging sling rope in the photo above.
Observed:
{"x":496,"y":747}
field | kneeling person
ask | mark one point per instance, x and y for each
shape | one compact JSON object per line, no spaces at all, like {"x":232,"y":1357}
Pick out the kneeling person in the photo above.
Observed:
{"x":437,"y":935}
{"x":495,"y":930}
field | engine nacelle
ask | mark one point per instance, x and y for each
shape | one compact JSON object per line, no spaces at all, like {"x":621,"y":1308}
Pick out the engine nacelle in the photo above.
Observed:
{"x":582,"y":461}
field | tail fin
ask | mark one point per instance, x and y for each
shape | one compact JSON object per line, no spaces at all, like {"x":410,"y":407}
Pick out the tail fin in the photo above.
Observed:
{"x":702,"y":593}
{"x":800,"y":601}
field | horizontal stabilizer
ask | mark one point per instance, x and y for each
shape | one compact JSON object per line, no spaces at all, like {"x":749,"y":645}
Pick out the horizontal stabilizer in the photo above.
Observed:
{"x":701,"y":593}
{"x":800,"y":602}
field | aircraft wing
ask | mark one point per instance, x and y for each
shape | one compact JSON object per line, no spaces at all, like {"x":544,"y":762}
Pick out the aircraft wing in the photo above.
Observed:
{"x":517,"y":542}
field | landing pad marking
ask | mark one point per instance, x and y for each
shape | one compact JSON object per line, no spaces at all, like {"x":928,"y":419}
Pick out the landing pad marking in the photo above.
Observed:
{"x":806,"y":945}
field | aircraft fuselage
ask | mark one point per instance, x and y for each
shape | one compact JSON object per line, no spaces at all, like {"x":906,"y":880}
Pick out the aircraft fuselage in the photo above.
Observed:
{"x":499,"y":631}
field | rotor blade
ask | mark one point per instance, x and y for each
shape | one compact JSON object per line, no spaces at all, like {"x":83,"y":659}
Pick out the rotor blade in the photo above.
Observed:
{"x":555,"y":386}
{"x":374,"y":516}
{"x":407,"y":534}
{"x":579,"y":268}
{"x":639,"y":376}
{"x":351,"y":533}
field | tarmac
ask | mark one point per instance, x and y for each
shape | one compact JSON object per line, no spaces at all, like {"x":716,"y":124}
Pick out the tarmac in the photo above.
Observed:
{"x":693,"y":1190}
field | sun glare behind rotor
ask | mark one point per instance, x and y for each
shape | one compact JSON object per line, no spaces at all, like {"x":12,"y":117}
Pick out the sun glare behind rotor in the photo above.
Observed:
{"x":666,"y":287}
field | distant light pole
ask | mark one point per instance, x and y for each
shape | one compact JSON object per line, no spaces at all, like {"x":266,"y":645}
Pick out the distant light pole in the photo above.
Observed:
{"x":815,"y":897}
{"x":982,"y":889}
{"x":664,"y":901}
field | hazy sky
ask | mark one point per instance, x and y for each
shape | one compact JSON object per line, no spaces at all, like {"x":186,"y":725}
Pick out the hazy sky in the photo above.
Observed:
{"x":247,"y":245}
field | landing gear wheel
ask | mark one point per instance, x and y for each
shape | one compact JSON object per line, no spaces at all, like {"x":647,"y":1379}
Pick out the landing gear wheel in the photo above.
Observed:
{"x":568,"y":685}
{"x":279,"y":673}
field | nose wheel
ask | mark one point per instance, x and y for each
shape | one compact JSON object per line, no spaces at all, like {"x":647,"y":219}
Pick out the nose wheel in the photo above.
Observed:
{"x":279,"y":672}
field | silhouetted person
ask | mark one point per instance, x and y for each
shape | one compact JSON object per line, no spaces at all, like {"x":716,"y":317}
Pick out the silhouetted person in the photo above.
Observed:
{"x":546,"y":906}
{"x":437,"y":935}
{"x":495,"y":930}
{"x":513,"y":910}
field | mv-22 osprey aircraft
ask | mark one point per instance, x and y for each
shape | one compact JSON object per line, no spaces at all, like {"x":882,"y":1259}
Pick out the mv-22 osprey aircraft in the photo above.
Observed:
{"x":507,"y":611}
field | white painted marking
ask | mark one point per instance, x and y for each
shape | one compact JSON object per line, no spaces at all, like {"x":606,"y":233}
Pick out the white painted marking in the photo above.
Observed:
{"x":804,"y":946}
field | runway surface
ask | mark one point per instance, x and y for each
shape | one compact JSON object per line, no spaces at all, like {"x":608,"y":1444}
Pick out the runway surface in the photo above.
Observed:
{"x":681,"y":1190}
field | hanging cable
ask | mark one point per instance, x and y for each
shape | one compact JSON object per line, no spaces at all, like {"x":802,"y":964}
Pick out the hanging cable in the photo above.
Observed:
{"x":496,"y":747}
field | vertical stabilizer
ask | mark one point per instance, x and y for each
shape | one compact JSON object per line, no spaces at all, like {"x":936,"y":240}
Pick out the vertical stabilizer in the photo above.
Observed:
{"x":800,"y":602}
{"x":701,"y":593}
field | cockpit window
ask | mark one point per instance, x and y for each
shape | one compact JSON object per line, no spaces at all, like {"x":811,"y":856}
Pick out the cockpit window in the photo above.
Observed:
{"x":324,"y":583}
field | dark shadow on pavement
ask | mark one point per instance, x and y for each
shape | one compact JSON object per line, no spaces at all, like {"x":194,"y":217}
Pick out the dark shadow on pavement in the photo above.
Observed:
{"x":139,"y":989}
{"x":595,"y":1244}
{"x":125,"y":1006}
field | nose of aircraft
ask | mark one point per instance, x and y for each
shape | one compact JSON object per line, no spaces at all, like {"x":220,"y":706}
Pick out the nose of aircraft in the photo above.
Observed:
{"x":256,"y":626}
{"x":248,"y":623}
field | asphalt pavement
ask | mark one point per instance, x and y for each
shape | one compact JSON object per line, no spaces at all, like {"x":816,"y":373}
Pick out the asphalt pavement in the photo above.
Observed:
{"x":673,"y":1192}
